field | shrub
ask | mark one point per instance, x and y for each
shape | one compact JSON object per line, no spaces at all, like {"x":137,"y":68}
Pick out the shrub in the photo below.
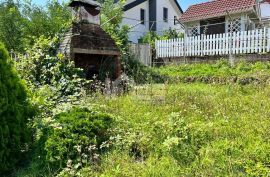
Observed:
{"x":139,"y":72}
{"x":15,"y":111}
{"x":76,"y":137}
{"x":43,"y":66}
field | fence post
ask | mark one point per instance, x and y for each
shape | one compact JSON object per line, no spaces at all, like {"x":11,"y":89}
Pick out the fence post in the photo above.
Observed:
{"x":264,"y":40}
{"x":185,"y":43}
{"x":231,"y":58}
{"x":268,"y":40}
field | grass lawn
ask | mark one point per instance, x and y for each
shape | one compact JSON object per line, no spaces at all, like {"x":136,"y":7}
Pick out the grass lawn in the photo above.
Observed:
{"x":189,"y":130}
{"x":179,"y":128}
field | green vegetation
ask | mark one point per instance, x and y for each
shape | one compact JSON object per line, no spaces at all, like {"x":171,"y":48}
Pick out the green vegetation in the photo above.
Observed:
{"x":29,"y":21}
{"x":76,"y":136}
{"x":15,"y":113}
{"x":186,"y":120}
{"x":189,"y":130}
{"x":111,"y":17}
{"x":220,"y":72}
{"x":151,"y":37}
{"x":168,"y":129}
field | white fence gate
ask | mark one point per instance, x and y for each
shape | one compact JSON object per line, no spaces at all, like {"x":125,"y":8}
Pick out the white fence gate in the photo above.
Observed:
{"x":143,"y":53}
{"x":245,"y":42}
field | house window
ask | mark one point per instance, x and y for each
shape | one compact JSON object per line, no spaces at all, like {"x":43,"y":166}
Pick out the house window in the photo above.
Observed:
{"x":213,"y":26}
{"x":165,"y":14}
{"x":142,"y":16}
{"x":175,"y":20}
{"x":193,"y":31}
{"x":234,"y":25}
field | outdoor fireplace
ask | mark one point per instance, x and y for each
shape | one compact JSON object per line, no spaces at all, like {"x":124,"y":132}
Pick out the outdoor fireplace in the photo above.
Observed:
{"x":91,"y":48}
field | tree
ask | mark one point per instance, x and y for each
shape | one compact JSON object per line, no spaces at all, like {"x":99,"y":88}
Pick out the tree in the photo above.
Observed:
{"x":111,"y":18}
{"x":15,"y":112}
{"x":22,"y":22}
{"x":46,"y":21}
{"x":11,"y":25}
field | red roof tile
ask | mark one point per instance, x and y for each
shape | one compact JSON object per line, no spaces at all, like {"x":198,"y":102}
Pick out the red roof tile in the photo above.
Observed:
{"x":216,"y":8}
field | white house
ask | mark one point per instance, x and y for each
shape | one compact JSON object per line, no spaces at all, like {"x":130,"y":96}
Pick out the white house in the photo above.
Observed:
{"x":151,"y":15}
{"x":265,"y":12}
{"x":222,"y":16}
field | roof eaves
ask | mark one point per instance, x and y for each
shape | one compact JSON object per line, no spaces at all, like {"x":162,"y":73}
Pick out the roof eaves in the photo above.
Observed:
{"x":133,"y":4}
{"x":196,"y":18}
{"x":179,"y":7}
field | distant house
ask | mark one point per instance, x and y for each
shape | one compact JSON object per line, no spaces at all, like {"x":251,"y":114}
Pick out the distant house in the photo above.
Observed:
{"x":151,"y":15}
{"x":265,"y":12}
{"x":222,"y":16}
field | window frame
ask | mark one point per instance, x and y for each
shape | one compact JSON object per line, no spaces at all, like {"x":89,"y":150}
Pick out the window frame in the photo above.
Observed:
{"x":142,"y":16}
{"x":175,"y":20}
{"x":165,"y":14}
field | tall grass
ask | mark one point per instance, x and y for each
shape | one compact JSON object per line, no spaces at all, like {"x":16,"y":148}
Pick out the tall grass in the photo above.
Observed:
{"x":190,"y":130}
{"x":221,"y":72}
{"x":199,"y":127}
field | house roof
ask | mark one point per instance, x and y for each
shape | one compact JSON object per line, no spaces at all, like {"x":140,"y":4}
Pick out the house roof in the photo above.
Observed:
{"x":138,"y":2}
{"x":216,"y":8}
{"x":178,"y":6}
{"x":133,"y":4}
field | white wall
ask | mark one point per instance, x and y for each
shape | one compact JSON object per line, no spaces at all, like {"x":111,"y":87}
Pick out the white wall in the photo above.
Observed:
{"x":140,"y":30}
{"x":191,"y":25}
{"x":243,"y":17}
{"x":135,"y":13}
{"x":265,"y":10}
{"x":172,"y":11}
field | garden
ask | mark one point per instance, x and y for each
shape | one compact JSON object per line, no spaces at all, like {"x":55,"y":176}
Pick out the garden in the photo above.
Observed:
{"x":186,"y":120}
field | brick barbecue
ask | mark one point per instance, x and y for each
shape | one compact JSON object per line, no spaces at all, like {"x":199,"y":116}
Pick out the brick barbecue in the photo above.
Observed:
{"x":91,"y":48}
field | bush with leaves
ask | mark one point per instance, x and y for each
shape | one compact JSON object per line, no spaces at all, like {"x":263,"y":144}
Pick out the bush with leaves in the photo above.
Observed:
{"x":151,"y":37}
{"x":53,"y":80}
{"x":42,"y":66}
{"x":111,"y":18}
{"x":15,"y":112}
{"x":28,"y":21}
{"x":76,"y":137}
{"x":139,"y":72}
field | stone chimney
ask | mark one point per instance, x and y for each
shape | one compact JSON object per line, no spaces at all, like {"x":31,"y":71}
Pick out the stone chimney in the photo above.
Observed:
{"x":85,"y":11}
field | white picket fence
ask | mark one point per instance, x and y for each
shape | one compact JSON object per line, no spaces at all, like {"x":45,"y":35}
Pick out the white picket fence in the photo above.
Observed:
{"x":245,"y":42}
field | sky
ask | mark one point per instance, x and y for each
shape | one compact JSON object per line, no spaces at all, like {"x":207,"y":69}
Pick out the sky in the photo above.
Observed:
{"x":183,"y":3}
{"x":186,"y":3}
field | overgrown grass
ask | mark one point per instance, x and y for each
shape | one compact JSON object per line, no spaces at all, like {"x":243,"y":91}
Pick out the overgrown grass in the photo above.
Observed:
{"x":221,"y":72}
{"x":189,"y":130}
{"x":185,"y":129}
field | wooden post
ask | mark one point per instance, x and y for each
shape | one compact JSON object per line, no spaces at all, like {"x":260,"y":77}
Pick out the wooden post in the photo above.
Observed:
{"x":117,"y":67}
{"x":231,"y":57}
